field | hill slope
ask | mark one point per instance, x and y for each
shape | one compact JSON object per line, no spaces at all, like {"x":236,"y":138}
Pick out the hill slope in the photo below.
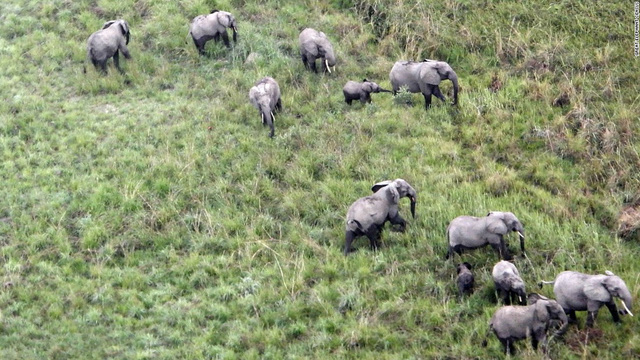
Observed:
{"x":149,"y":215}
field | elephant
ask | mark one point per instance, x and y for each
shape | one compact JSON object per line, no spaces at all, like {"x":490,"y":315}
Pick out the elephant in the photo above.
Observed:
{"x":515,"y":322}
{"x":265,"y":96}
{"x":470,"y":232}
{"x":367,"y":215}
{"x":108,"y":42}
{"x":576,"y":291}
{"x":465,"y":279}
{"x":313,"y":45}
{"x":509,"y":283}
{"x":212,"y":26}
{"x":353,"y":90}
{"x":423,"y":77}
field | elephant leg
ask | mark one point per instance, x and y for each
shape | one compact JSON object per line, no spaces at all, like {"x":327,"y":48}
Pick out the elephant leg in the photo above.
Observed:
{"x":534,"y":343}
{"x":225,"y":39}
{"x":199,"y":45}
{"x":103,"y":66}
{"x":572,"y":317}
{"x":348,"y":101}
{"x":374,"y":235}
{"x":398,"y":220}
{"x":279,"y":105}
{"x":427,"y":101}
{"x":438,"y":93}
{"x":216,"y":37}
{"x":613,"y":309}
{"x":312,"y":66}
{"x":349,"y":236}
{"x":116,"y":61}
{"x":591,"y":317}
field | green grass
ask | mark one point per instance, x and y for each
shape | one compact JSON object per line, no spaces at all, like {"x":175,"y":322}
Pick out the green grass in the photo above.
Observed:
{"x":148,"y":215}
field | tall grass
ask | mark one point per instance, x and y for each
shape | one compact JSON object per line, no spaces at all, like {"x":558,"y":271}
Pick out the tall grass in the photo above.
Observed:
{"x":148,"y":214}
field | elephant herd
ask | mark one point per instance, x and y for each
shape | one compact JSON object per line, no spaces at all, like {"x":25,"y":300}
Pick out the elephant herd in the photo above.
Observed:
{"x":416,"y":77}
{"x":574,"y":291}
{"x":367,"y":216}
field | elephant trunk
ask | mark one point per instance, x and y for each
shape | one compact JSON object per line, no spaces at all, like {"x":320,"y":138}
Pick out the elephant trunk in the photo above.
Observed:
{"x":521,"y":236}
{"x":385,"y":90}
{"x":626,"y":303}
{"x":565,"y":325}
{"x":413,"y":205}
{"x":454,"y":80}
{"x":127,"y":36}
{"x":235,"y":33}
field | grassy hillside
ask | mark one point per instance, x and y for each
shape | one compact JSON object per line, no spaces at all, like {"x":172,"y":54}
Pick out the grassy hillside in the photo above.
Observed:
{"x":148,"y":215}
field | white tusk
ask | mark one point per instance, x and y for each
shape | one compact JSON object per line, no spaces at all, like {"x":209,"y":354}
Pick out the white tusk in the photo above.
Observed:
{"x":626,"y":308}
{"x":262,"y":117}
{"x":519,"y":233}
{"x":273,"y":117}
{"x":334,"y":68}
{"x":326,"y":63}
{"x":519,"y":298}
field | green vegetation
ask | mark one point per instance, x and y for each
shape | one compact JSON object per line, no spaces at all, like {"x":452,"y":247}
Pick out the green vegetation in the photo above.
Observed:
{"x":148,"y":215}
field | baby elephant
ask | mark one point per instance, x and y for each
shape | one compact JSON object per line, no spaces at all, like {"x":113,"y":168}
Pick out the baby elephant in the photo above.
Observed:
{"x":509,"y":283}
{"x":465,"y":279}
{"x":353,"y":90}
{"x":212,"y":26}
{"x":367,"y":215}
{"x":511,"y":323}
{"x":107,"y":42}
{"x":265,"y":96}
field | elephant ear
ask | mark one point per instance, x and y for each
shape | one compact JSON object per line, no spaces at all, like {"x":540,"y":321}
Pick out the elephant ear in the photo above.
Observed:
{"x":541,"y":312}
{"x":496,"y":225}
{"x":107,"y":24}
{"x":380,"y":185}
{"x":429,"y":73}
{"x":395,"y":196}
{"x":595,"y":289}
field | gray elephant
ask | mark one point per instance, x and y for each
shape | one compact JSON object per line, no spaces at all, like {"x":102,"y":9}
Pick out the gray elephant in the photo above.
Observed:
{"x":465,"y":279}
{"x":265,"y":96}
{"x":316,"y":45}
{"x":108,"y":42}
{"x":508,"y":283}
{"x":423,"y":77}
{"x":362,"y":91}
{"x":576,"y":291}
{"x":511,"y":323}
{"x":367,"y":215}
{"x":212,"y":26}
{"x":470,"y":232}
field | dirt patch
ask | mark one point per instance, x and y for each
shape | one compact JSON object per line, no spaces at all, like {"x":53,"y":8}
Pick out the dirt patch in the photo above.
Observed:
{"x":578,"y":339}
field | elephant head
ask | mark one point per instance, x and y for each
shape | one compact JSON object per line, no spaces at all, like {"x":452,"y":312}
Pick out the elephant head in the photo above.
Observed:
{"x":371,"y":87}
{"x":433,"y":72}
{"x":228,"y":21}
{"x":503,"y":222}
{"x":547,"y":309}
{"x":603,"y":288}
{"x":403,"y":188}
{"x":316,"y":45}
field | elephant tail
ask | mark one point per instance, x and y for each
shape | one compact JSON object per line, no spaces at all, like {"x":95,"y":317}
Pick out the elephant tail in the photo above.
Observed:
{"x":486,"y":335}
{"x":358,"y":224}
{"x":542,"y":282}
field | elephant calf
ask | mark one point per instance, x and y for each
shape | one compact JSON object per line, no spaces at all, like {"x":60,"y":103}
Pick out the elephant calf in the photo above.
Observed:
{"x":353,"y":90}
{"x":511,"y":323}
{"x":470,"y":232}
{"x":465,"y":279}
{"x":509,"y":283}
{"x":108,"y":42}
{"x":576,"y":291}
{"x":265,"y":96}
{"x":367,"y":215}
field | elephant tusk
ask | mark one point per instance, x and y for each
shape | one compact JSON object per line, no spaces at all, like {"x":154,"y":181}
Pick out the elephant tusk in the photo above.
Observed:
{"x":519,"y":233}
{"x":334,"y":68}
{"x":626,"y":308}
{"x":326,"y":63}
{"x":262,"y":117}
{"x":519,"y":298}
{"x":273,"y":117}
